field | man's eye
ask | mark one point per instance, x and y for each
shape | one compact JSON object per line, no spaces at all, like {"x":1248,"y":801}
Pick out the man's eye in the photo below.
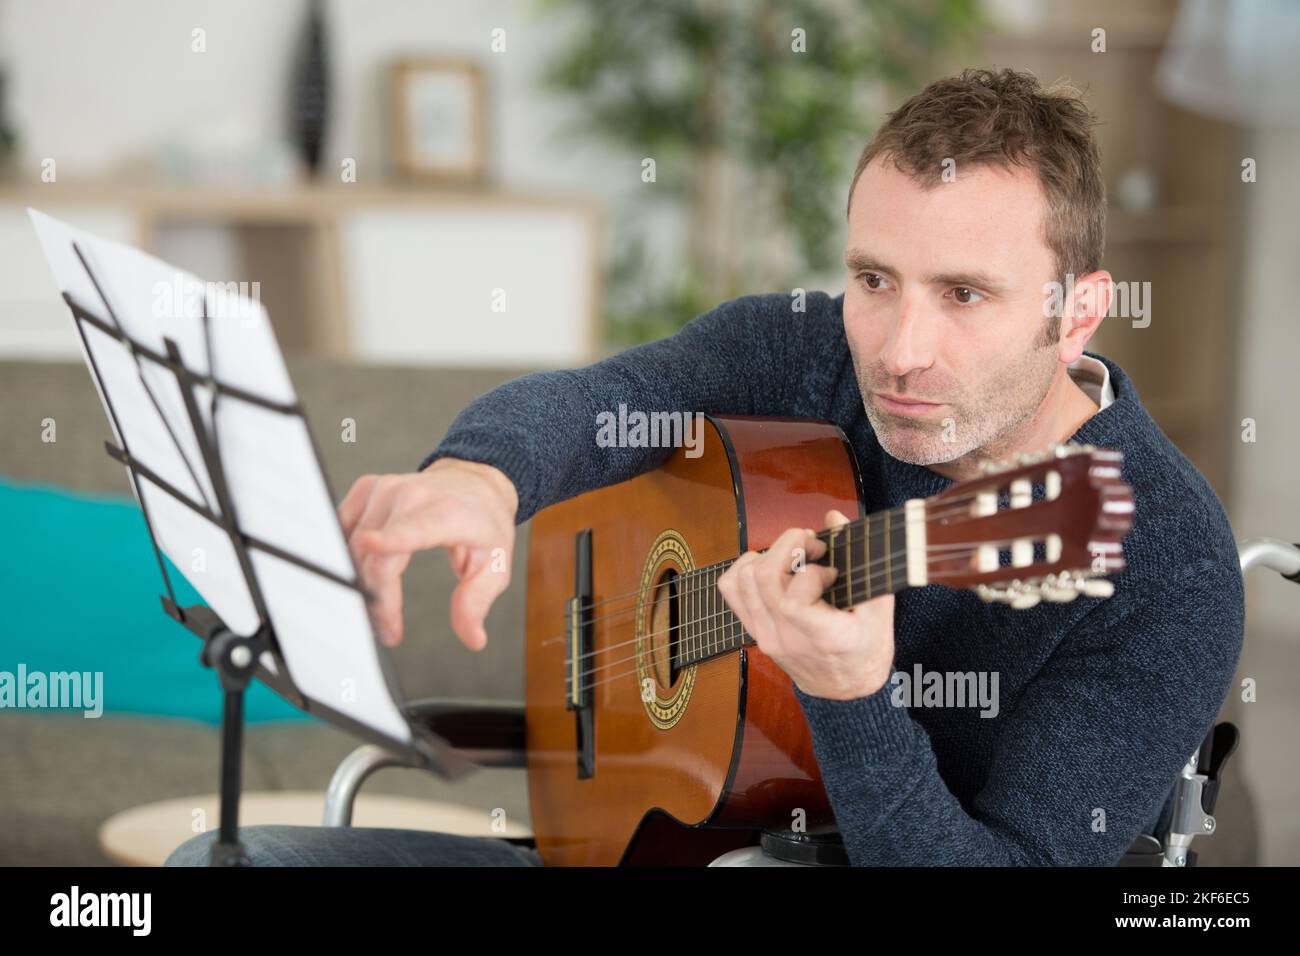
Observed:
{"x":965,"y":296}
{"x":872,"y":280}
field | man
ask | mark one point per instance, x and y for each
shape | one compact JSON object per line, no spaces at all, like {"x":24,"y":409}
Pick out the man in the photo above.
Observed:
{"x":977,"y":203}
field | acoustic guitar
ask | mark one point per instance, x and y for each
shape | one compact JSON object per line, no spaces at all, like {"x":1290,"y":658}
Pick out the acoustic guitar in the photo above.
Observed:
{"x":657,"y":732}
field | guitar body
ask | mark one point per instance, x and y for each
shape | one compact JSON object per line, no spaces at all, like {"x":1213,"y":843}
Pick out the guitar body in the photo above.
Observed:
{"x":682,"y":764}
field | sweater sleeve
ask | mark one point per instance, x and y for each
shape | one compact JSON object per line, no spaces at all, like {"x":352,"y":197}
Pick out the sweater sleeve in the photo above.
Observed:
{"x":1085,"y":761}
{"x":742,"y":358}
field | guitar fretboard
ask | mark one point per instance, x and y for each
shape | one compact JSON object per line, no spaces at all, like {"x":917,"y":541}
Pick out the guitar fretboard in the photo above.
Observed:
{"x":870,"y":554}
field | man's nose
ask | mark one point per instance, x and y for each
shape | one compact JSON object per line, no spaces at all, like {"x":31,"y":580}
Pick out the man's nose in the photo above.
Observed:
{"x":910,"y":344}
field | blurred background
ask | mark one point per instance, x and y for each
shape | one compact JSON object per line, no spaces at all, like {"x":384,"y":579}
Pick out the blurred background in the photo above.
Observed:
{"x":432,"y":196}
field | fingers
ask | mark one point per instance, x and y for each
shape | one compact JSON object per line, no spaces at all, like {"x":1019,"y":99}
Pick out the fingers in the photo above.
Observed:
{"x":367,"y":505}
{"x":835,"y":518}
{"x":428,"y":527}
{"x":473,"y":597}
{"x":354,"y":502}
{"x":383,"y":575}
{"x":780,"y":581}
{"x":807,"y":587}
{"x":741,"y":594}
{"x":390,"y":517}
{"x":802,"y":586}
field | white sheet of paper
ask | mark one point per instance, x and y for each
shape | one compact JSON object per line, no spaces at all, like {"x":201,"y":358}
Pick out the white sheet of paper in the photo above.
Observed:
{"x":245,"y":354}
{"x":135,"y":286}
{"x":203,"y":553}
{"x":143,"y":432}
{"x":278,"y":491}
{"x":276,"y":485}
{"x":328,"y":644}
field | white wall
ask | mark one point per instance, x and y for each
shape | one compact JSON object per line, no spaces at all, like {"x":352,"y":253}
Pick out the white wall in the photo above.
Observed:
{"x":94,"y":82}
{"x":104,"y":85}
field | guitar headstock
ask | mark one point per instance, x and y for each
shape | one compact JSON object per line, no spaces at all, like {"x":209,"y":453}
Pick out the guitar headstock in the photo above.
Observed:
{"x":1059,"y":546}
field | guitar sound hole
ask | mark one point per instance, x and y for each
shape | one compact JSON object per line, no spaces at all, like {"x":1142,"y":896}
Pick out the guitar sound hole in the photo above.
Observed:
{"x":662,"y":631}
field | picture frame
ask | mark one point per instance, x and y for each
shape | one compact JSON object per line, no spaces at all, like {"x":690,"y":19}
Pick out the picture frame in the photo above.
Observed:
{"x":439,"y":120}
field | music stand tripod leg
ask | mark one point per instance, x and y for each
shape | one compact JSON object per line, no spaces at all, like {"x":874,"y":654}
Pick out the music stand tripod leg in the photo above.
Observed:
{"x":234,"y":658}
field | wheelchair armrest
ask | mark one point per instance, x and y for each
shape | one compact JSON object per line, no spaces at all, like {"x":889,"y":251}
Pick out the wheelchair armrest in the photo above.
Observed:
{"x":1219,"y":745}
{"x":1144,"y":851}
{"x":488,"y":732}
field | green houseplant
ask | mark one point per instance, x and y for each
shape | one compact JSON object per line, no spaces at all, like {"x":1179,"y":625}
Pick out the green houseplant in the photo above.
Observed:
{"x":748,"y":116}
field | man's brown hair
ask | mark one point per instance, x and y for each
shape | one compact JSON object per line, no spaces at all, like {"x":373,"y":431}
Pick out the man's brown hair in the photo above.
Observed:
{"x":1006,"y":118}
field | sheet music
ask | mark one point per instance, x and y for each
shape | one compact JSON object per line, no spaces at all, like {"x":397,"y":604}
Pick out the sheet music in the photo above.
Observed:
{"x":319,"y":624}
{"x":278,"y":492}
{"x":275,"y":484}
{"x":203,"y":553}
{"x":129,"y":279}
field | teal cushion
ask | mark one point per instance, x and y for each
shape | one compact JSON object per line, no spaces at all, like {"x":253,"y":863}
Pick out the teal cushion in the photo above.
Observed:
{"x":81,"y":593}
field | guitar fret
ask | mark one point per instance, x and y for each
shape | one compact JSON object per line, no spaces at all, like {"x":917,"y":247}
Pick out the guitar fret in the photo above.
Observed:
{"x":695,"y":618}
{"x":703,"y":623}
{"x":689,"y":621}
{"x":845,"y":565}
{"x":866,"y":564}
{"x":699,"y":595}
{"x":889,"y":557}
{"x":721,"y":609}
{"x":696,"y":621}
{"x":832,"y":561}
{"x":732,"y":623}
{"x":709,"y":610}
{"x":684,"y":620}
{"x":708,"y":602}
{"x":695,"y":624}
{"x":848,"y":563}
{"x":708,"y":635}
{"x":879,"y":548}
{"x":706,"y":630}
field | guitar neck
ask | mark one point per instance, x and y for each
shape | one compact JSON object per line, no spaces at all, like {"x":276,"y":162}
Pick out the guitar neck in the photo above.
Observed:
{"x":871,"y":555}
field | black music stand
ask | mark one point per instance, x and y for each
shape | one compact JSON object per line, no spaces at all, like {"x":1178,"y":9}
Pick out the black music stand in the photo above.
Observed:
{"x":236,"y":658}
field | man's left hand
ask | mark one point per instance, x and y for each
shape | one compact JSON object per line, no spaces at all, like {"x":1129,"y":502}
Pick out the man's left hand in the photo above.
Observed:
{"x":828,"y":652}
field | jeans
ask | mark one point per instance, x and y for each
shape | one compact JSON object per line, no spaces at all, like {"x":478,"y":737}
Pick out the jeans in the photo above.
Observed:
{"x":275,"y":845}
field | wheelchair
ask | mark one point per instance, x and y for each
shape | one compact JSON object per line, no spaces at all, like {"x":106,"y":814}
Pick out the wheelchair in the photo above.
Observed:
{"x":491,"y":734}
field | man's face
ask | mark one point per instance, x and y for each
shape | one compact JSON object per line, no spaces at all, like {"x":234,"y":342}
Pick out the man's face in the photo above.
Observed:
{"x":945,"y":305}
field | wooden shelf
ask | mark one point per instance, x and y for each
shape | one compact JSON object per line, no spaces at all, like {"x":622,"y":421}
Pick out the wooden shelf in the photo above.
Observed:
{"x":295,"y":203}
{"x":291,"y":238}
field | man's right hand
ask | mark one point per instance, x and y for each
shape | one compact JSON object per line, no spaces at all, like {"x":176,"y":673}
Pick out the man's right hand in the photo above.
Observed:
{"x":466,"y":507}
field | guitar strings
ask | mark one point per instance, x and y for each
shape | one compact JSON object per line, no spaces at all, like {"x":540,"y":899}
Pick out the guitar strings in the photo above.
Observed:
{"x":707,"y":635}
{"x":633,"y":672}
{"x":858,"y":574}
{"x":691,"y":576}
{"x":724,"y":630}
{"x":819,"y":535}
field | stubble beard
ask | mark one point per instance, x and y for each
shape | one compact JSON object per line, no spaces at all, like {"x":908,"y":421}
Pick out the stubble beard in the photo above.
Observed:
{"x":989,"y":421}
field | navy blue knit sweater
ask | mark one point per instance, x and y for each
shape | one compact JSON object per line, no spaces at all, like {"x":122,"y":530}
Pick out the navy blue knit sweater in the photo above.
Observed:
{"x":1100,"y":701}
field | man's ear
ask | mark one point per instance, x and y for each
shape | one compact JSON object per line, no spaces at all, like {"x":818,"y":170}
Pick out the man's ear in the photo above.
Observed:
{"x":1088,"y":304}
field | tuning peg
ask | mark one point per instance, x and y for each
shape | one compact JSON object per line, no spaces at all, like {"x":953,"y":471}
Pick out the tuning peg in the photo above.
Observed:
{"x":1058,"y":590}
{"x":1065,"y":451}
{"x":990,"y":594}
{"x":1019,"y":594}
{"x":1025,"y":598}
{"x":1097,"y":587}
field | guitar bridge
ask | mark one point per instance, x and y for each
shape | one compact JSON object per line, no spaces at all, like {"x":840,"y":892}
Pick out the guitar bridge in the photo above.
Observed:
{"x":579,"y":671}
